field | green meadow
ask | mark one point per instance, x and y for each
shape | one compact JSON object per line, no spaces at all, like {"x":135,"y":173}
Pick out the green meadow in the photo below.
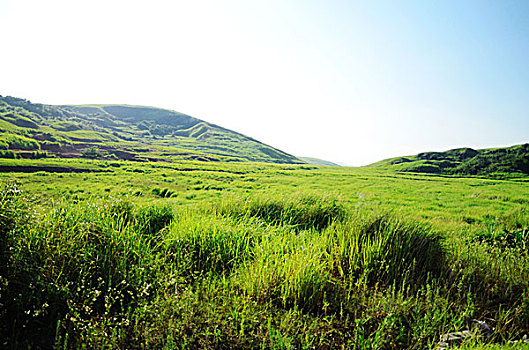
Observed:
{"x":189,"y":254}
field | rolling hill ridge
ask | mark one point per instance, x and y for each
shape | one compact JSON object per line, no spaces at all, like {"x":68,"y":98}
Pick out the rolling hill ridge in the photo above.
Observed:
{"x":464,"y":161}
{"x":31,"y":130}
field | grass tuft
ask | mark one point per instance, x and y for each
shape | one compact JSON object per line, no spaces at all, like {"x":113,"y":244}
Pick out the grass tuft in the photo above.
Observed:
{"x":385,"y":248}
{"x":299,"y":210}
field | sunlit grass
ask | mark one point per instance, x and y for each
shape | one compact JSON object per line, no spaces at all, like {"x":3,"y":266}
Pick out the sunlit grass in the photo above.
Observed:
{"x":253,"y":255}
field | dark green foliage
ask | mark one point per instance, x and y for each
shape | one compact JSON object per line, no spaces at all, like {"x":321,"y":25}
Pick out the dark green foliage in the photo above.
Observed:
{"x":422,"y":167}
{"x":20,"y":142}
{"x":74,"y":265}
{"x":66,"y":126}
{"x":121,"y":210}
{"x":7,"y":154}
{"x":510,"y":231}
{"x":160,"y":116}
{"x":504,"y":238}
{"x":202,"y":244}
{"x":503,"y":160}
{"x":400,"y":160}
{"x":19,"y":120}
{"x":13,"y":212}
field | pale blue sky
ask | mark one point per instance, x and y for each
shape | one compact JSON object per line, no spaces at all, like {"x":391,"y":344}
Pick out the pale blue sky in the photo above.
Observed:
{"x":347,"y":81}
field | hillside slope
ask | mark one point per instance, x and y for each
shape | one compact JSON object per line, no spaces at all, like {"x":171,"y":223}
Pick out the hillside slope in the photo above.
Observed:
{"x":125,"y":132}
{"x":317,"y":161}
{"x":464,"y":161}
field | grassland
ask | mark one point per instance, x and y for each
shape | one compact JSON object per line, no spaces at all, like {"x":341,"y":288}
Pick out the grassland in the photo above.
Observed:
{"x":194,"y":254}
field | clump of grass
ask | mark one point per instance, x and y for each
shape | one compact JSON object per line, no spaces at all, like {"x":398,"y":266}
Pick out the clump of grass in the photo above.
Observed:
{"x":289,"y":269}
{"x":516,"y":219}
{"x":14,"y":217}
{"x":151,"y":219}
{"x":209,"y":243}
{"x":385,"y":248}
{"x":75,"y":264}
{"x":313,"y":270}
{"x":163,"y":192}
{"x":13,"y":208}
{"x":510,"y":231}
{"x":299,"y":210}
{"x":119,"y":209}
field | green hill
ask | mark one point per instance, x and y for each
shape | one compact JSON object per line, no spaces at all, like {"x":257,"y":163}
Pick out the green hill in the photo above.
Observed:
{"x":30,"y":130}
{"x":464,"y":161}
{"x":317,"y":161}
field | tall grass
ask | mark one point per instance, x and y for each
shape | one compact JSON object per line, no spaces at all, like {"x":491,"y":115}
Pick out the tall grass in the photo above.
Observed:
{"x":199,"y":243}
{"x":299,"y":210}
{"x":289,"y":269}
{"x":245,"y":272}
{"x":74,"y":264}
{"x":385,"y":248}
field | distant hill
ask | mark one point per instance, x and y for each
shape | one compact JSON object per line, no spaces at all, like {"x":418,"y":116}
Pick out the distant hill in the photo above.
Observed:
{"x":316,"y":161}
{"x":121,"y":131}
{"x":464,"y":161}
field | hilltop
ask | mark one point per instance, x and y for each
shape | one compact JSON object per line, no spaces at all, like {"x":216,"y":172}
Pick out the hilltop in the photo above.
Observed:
{"x":31,"y":130}
{"x":464,"y":161}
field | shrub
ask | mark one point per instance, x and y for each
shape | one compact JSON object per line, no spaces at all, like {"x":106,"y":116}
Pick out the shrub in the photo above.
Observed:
{"x":91,"y":152}
{"x":7,"y":154}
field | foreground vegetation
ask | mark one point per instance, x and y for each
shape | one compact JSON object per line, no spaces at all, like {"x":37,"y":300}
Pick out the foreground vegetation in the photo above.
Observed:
{"x":225,"y":255}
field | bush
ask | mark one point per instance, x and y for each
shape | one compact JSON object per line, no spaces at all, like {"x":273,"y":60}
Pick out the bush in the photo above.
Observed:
{"x":8,"y":154}
{"x":91,"y":152}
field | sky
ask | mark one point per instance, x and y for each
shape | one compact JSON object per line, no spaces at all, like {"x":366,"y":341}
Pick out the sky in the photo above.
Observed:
{"x":347,"y":81}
